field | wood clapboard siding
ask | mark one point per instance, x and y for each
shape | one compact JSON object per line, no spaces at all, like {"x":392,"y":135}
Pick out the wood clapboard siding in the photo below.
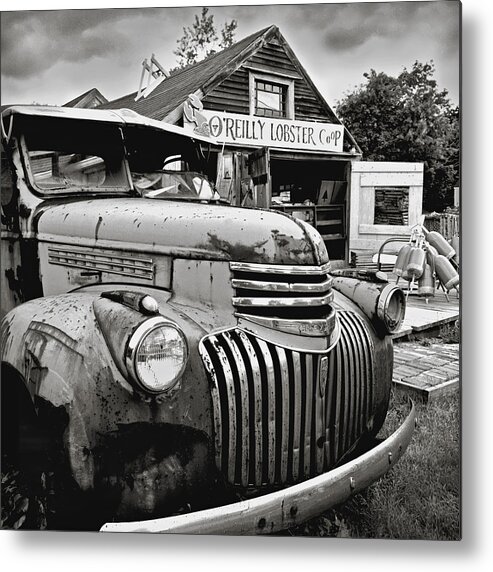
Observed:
{"x":232,"y":95}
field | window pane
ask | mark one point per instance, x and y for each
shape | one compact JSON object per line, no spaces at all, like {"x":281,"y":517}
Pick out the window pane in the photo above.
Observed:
{"x":270,"y":99}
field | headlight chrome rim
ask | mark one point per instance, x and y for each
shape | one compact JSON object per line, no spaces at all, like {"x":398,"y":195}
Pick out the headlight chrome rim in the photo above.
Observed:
{"x":389,"y":294}
{"x":135,"y":342}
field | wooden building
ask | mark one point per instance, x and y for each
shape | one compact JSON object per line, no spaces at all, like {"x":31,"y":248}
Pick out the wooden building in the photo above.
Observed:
{"x":282,"y":146}
{"x":87,"y":100}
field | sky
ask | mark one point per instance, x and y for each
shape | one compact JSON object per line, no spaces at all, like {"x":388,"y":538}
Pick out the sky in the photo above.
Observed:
{"x":51,"y":57}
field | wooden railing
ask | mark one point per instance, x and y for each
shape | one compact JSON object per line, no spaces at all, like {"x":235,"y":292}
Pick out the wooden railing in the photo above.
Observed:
{"x":446,"y":224}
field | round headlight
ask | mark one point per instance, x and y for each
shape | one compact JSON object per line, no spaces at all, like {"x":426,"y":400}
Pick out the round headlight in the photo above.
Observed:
{"x":156,"y":355}
{"x":391,"y":307}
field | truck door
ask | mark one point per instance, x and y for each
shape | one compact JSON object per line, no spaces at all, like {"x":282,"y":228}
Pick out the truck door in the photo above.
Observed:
{"x":10,"y":242}
{"x":259,"y":170}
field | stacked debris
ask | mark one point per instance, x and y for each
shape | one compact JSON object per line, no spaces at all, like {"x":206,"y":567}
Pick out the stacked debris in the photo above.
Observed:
{"x":429,"y":260}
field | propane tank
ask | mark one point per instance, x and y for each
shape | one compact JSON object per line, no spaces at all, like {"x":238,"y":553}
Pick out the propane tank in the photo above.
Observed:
{"x":416,"y":263}
{"x":439,"y":242}
{"x":426,"y":284}
{"x":446,"y":272}
{"x":402,"y":259}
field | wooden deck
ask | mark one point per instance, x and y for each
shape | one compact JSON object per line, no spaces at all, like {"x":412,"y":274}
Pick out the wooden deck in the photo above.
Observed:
{"x":426,"y":372}
{"x":421,"y":316}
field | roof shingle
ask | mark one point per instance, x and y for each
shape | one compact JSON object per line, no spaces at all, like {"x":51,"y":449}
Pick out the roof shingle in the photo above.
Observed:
{"x":172,"y":92}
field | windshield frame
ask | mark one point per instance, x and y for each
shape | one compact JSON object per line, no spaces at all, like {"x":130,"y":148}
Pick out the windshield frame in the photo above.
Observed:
{"x":125,"y":189}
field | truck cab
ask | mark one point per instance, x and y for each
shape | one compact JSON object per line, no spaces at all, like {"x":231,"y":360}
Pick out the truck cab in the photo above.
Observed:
{"x":167,"y":357}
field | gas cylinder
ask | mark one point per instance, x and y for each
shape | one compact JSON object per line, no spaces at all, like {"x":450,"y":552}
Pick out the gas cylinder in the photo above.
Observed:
{"x":446,"y":272}
{"x":416,"y":263}
{"x":402,"y":259}
{"x":438,"y":241}
{"x":426,"y":284}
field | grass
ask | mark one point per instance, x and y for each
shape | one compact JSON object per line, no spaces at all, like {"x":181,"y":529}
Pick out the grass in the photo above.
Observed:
{"x":420,"y":497}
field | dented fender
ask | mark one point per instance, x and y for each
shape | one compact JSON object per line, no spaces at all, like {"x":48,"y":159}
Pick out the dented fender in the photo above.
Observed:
{"x":67,"y":350}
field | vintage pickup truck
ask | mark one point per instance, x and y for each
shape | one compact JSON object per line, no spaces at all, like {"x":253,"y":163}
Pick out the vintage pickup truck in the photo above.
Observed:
{"x":169,"y":362}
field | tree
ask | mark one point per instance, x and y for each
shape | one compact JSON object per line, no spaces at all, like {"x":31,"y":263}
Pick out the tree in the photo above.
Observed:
{"x":201,"y":40}
{"x":407,"y":118}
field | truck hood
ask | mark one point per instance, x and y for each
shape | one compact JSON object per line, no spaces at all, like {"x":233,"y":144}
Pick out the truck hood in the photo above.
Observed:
{"x":183,"y":229}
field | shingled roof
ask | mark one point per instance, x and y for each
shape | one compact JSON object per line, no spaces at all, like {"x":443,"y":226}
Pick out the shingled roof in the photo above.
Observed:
{"x":172,"y":92}
{"x":165,"y":102}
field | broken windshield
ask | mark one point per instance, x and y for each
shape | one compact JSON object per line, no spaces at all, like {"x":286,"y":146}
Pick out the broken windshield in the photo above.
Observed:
{"x":174,"y":185}
{"x":71,"y":156}
{"x":65,"y":171}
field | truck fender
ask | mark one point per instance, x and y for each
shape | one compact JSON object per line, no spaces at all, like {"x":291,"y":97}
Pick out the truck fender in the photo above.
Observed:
{"x":69,"y":364}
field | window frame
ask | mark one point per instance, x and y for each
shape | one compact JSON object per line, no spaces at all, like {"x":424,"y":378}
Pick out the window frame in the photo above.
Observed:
{"x":275,"y":79}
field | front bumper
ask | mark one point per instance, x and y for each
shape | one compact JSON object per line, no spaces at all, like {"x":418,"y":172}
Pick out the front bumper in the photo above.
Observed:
{"x":282,"y":509}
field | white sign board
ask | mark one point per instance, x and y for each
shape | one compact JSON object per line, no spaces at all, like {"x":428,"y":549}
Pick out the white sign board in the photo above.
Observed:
{"x":266,"y":132}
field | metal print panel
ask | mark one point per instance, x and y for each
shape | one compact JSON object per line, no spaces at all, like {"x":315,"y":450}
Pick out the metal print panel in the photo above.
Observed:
{"x":230,"y":278}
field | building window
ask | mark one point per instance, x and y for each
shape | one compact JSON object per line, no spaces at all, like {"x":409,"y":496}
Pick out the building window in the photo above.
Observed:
{"x":271,"y":96}
{"x":270,"y":99}
{"x":391,"y":206}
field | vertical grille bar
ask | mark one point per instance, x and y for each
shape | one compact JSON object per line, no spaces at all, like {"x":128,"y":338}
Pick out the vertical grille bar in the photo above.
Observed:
{"x":361,"y":375}
{"x":320,"y":381}
{"x":219,"y":415}
{"x":256,"y":396}
{"x":271,"y":411}
{"x":230,"y":393}
{"x":353,"y":429}
{"x":231,"y":400}
{"x":297,"y":415}
{"x":367,"y":346}
{"x":283,"y":362}
{"x":244,"y":450}
{"x":338,"y":403}
{"x":330,"y":409}
{"x":308,"y":433}
{"x":346,"y":391}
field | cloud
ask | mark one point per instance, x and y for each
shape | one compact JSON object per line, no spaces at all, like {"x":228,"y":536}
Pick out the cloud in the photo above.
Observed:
{"x":54,"y":56}
{"x":353,"y":25}
{"x":33,"y":42}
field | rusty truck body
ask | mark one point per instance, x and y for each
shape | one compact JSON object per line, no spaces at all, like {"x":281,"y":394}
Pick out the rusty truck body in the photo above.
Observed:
{"x":171,"y":362}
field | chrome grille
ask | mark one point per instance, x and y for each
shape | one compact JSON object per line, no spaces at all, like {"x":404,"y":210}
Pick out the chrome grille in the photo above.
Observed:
{"x":271,"y":290}
{"x":281,"y":415}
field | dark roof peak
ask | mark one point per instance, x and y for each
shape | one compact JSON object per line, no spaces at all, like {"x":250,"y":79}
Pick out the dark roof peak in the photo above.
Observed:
{"x":209,"y":58}
{"x":89,"y":98}
{"x":172,"y":91}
